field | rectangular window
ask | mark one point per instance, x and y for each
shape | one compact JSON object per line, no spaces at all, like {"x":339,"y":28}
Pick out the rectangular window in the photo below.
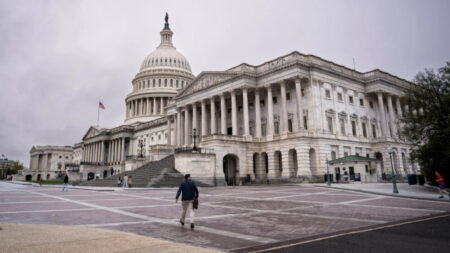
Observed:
{"x":354,"y":128}
{"x":303,"y":92}
{"x":274,"y":99}
{"x":328,"y":94}
{"x":339,"y":96}
{"x":345,"y":153}
{"x":350,"y":99}
{"x":305,"y":122}
{"x":342,"y":123}
{"x":261,"y":103}
{"x":290,"y":125}
{"x":361,"y":102}
{"x":288,"y":96}
{"x":364,"y":129}
{"x":374,"y":131}
{"x":371,"y":104}
{"x":277,"y":127}
{"x":263,"y":129}
{"x":330,"y":124}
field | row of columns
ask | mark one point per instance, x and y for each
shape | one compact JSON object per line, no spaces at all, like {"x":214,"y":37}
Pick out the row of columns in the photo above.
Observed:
{"x":146,"y":106}
{"x":183,"y":138}
{"x":95,"y":152}
{"x":392,"y":125}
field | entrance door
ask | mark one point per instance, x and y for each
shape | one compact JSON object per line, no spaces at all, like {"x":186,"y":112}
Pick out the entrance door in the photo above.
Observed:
{"x":91,"y":175}
{"x":352,"y":173}
{"x":337,"y":171}
{"x":230,"y":169}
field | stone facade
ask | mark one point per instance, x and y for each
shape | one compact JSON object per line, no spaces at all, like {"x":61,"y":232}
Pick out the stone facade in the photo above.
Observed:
{"x":49,"y":162}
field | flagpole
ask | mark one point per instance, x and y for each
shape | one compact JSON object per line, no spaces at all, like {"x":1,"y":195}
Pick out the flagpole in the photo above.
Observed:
{"x":98,"y":114}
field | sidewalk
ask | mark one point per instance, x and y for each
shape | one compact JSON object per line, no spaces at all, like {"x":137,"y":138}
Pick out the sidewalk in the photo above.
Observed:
{"x":407,"y":191}
{"x":23,"y":238}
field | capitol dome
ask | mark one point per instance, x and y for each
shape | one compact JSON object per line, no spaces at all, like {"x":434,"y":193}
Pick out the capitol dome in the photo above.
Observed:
{"x":162,"y":74}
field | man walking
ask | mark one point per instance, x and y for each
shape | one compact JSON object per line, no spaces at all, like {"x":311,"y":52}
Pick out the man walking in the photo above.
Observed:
{"x":66,"y":183}
{"x":125,"y":181}
{"x":190,"y":192}
{"x":440,"y":181}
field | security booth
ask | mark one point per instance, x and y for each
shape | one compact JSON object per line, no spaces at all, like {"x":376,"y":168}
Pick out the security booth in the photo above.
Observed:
{"x":354,"y":168}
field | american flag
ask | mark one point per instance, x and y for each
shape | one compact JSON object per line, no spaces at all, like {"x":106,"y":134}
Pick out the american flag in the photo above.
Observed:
{"x":101,"y":105}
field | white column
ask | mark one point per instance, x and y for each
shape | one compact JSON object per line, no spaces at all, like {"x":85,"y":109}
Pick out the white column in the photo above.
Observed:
{"x":122,"y":152}
{"x":186,"y":126}
{"x":382,"y":115}
{"x":194,"y":118}
{"x":284,"y":118}
{"x":154,"y":106}
{"x":298,"y":93}
{"x":213,"y":116}
{"x":179,"y":140}
{"x":162,"y":105}
{"x":399,"y":112}
{"x":269,"y":112}
{"x":234,"y":113}
{"x":257,"y":115}
{"x":245,"y":106}
{"x":391,"y":116}
{"x":223,"y":115}
{"x":169,"y":130}
{"x":204,"y":125}
{"x":102,"y":153}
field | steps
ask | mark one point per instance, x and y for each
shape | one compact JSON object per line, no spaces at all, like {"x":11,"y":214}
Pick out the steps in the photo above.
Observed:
{"x":153,"y":174}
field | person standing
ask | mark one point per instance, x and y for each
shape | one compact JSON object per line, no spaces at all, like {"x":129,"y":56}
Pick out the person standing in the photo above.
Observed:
{"x":125,"y":181}
{"x":130,"y":181}
{"x":66,"y":183}
{"x":119,"y":182}
{"x":190,"y":192}
{"x":441,"y":186}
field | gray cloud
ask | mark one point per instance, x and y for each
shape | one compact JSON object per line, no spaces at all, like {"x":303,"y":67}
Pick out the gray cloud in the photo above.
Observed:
{"x":58,"y":58}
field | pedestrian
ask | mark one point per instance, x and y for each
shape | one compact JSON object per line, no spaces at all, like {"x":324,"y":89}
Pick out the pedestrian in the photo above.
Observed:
{"x":190,"y":193}
{"x":125,"y":181}
{"x":40,"y":181}
{"x":441,"y":186}
{"x":119,"y":182}
{"x":130,"y":180}
{"x":66,"y":183}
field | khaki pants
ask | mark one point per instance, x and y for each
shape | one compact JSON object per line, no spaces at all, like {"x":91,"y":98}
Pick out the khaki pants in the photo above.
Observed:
{"x":185,"y":204}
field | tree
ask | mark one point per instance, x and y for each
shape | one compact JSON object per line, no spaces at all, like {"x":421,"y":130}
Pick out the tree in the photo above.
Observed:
{"x":426,"y":121}
{"x":14,"y":168}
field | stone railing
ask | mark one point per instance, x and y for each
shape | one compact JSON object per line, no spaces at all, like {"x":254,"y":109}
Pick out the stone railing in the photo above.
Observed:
{"x":223,"y":137}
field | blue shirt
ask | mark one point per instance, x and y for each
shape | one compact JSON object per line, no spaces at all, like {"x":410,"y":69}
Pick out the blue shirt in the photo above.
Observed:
{"x":189,"y":190}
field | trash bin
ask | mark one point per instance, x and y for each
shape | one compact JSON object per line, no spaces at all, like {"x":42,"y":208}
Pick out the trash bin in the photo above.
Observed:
{"x":411,"y":179}
{"x":421,"y":179}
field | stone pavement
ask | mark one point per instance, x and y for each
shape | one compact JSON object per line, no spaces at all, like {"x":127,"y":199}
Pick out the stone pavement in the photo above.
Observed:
{"x":405,"y":190}
{"x":22,"y":238}
{"x":228,"y":218}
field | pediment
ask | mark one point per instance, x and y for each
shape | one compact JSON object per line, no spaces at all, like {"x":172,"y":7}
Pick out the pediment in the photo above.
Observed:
{"x":92,"y":131}
{"x":206,"y":80}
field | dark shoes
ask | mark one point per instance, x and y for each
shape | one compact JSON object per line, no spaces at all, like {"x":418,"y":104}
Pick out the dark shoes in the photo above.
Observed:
{"x":182,"y":222}
{"x":192,"y":226}
{"x":441,"y":197}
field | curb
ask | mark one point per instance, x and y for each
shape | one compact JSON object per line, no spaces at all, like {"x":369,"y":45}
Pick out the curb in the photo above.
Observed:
{"x":384,"y":194}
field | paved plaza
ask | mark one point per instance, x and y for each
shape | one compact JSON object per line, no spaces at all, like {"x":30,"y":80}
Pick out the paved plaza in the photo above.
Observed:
{"x":229,"y":219}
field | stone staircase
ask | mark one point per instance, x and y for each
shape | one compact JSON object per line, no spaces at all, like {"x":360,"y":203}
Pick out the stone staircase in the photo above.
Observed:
{"x":152,"y":174}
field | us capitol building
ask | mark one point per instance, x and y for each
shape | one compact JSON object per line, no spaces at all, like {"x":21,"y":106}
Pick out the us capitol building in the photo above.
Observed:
{"x":281,"y":120}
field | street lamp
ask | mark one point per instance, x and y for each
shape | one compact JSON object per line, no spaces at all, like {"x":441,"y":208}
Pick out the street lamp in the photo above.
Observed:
{"x":195,"y":135}
{"x":328,"y":174}
{"x":394,"y":183}
{"x":141,"y":146}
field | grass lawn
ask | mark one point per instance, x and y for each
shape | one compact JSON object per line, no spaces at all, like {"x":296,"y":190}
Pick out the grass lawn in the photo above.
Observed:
{"x":46,"y":182}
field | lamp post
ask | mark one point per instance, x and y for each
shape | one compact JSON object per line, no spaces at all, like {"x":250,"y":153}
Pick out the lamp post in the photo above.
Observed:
{"x":394,"y":183}
{"x":141,"y":146}
{"x":195,"y":135}
{"x":328,"y":174}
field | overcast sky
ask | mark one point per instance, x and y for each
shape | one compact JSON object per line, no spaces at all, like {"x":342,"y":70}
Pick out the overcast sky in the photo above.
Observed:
{"x":59,"y":58}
